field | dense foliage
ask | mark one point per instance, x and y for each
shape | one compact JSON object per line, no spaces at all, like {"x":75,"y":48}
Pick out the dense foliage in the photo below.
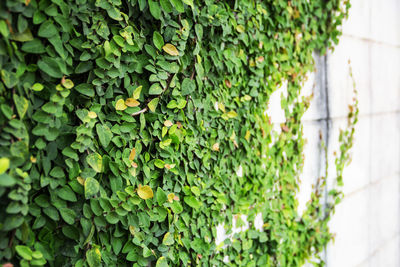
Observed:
{"x":131,"y":129}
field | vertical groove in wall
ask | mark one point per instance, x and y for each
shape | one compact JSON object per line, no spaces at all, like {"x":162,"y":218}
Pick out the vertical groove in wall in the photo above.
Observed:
{"x":325,"y":90}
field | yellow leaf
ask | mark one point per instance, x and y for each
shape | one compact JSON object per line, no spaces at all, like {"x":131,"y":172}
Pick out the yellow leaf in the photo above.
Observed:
{"x":136,"y":93}
{"x":131,"y":102}
{"x":247,"y":98}
{"x":171,"y":197}
{"x":215,"y":147}
{"x":240,"y":28}
{"x":171,"y":50}
{"x":67,"y":83}
{"x":247,"y":137}
{"x":92,"y":115}
{"x":132,"y":229}
{"x":221,"y":107}
{"x":145,"y":192}
{"x":120,"y":105}
{"x":168,"y":123}
{"x":132,"y":154}
{"x":80,"y":180}
{"x":231,"y":114}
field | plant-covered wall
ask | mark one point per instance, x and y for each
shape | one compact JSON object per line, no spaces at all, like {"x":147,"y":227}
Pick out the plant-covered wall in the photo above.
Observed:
{"x":130,"y":129}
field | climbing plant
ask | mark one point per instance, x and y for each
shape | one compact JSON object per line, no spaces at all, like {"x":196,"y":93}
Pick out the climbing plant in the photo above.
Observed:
{"x":130,"y":129}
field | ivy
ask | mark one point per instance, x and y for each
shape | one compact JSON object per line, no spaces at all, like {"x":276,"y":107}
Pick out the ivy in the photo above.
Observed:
{"x":130,"y":130}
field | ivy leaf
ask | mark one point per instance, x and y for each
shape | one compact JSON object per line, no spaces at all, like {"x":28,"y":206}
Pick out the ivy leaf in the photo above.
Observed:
{"x":161,"y":196}
{"x":9,"y":78}
{"x":95,"y":161}
{"x":34,"y":46}
{"x":192,"y":202}
{"x":4,"y":28}
{"x":24,"y":251}
{"x":132,"y":154}
{"x":93,"y":257}
{"x":136,"y":93}
{"x":170,"y":50}
{"x":155,"y":9}
{"x":50,"y":67}
{"x":168,"y":239}
{"x":24,"y":36}
{"x":162,"y":262}
{"x":85,"y":89}
{"x":153,"y":104}
{"x":22,"y":104}
{"x":158,"y":40}
{"x":4,"y":165}
{"x":66,"y":193}
{"x":188,"y":2}
{"x":37,"y":87}
{"x":145,"y":192}
{"x":155,"y":89}
{"x":104,"y":134}
{"x":120,"y":105}
{"x":188,"y":86}
{"x":92,"y":187}
{"x":68,"y":215}
{"x":159,"y":163}
{"x":131,"y":102}
{"x":178,"y":5}
{"x":47,"y":29}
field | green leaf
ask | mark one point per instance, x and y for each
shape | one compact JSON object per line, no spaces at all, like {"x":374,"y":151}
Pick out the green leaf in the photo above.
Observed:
{"x":24,"y":251}
{"x":176,"y":207}
{"x":93,"y":257}
{"x":104,"y":133}
{"x":192,"y":202}
{"x":50,"y":67}
{"x":22,"y":104}
{"x":7,"y":180}
{"x":161,"y":196}
{"x":37,"y":87}
{"x":4,"y":29}
{"x":158,"y":40}
{"x":155,"y":9}
{"x":178,"y":5}
{"x":95,"y":160}
{"x":22,"y":36}
{"x":155,"y":89}
{"x":168,"y":239}
{"x":34,"y":47}
{"x":153,"y":104}
{"x":188,"y":2}
{"x":4,"y":165}
{"x":9,"y":78}
{"x":114,"y":13}
{"x":162,"y":262}
{"x":66,"y":193}
{"x":92,"y":187}
{"x":47,"y":29}
{"x":85,"y":89}
{"x":188,"y":86}
{"x":68,"y":215}
{"x":159,"y":163}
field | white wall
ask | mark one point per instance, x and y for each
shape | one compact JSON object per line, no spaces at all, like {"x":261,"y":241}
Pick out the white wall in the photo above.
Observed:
{"x":367,"y":222}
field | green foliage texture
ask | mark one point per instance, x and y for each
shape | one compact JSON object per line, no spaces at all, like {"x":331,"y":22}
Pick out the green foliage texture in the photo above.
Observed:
{"x":130,"y":129}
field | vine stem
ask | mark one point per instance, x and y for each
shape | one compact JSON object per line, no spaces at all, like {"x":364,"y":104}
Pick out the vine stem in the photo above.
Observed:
{"x":139,"y":112}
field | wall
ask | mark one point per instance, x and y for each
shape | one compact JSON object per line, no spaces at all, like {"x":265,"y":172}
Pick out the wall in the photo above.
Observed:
{"x":367,"y":222}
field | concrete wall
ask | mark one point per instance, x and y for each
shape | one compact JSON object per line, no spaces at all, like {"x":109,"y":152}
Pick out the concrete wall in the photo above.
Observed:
{"x":367,"y":222}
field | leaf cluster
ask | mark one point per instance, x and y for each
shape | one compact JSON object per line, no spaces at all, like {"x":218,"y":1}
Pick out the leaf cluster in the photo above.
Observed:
{"x":124,"y":124}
